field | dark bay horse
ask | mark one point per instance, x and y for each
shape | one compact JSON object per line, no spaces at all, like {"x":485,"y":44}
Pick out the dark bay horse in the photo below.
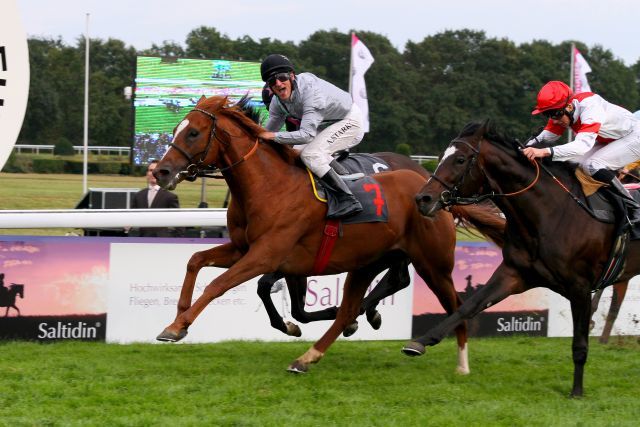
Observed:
{"x":550,"y":240}
{"x":276,"y":225}
{"x":8,"y":297}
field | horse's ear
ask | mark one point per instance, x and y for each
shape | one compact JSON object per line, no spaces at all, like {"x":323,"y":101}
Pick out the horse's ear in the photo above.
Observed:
{"x":484,"y":128}
{"x":202,"y":98}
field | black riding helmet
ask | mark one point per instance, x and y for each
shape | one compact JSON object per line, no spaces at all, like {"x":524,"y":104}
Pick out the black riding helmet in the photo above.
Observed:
{"x":273,"y":64}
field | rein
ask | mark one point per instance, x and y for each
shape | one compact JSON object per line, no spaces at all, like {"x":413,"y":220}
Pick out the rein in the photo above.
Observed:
{"x":199,"y":168}
{"x":449,"y":197}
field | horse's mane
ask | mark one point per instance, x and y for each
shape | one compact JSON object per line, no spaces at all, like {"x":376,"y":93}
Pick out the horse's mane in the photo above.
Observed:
{"x":511,"y":145}
{"x":247,"y":116}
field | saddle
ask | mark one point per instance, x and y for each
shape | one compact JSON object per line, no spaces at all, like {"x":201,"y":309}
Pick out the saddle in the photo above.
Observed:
{"x":606,"y":206}
{"x":366,"y":189}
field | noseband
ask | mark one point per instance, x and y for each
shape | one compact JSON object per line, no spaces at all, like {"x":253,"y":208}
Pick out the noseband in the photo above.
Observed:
{"x":199,"y":168}
{"x":450,"y":197}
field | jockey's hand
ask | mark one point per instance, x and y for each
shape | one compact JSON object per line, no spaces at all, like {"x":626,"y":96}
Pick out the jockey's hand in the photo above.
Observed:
{"x":269,"y":136}
{"x":533,"y":153}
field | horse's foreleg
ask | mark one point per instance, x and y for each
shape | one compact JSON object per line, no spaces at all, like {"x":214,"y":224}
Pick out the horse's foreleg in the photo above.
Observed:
{"x":265,"y":283}
{"x":249,"y":266}
{"x":504,"y":282}
{"x":619,"y":292}
{"x":354,"y":289}
{"x":580,"y":312}
{"x":221,"y":256}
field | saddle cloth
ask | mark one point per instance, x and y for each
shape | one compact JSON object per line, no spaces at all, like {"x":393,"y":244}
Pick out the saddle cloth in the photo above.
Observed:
{"x":367,"y":190}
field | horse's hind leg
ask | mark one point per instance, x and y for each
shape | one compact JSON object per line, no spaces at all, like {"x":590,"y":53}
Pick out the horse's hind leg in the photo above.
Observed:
{"x":619,"y":292}
{"x":354,"y":289}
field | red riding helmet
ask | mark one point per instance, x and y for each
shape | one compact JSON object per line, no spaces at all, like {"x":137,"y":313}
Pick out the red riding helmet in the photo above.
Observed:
{"x":552,"y":96}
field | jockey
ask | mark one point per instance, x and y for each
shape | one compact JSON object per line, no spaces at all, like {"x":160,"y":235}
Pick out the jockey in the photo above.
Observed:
{"x":607,"y":136}
{"x":329,"y":122}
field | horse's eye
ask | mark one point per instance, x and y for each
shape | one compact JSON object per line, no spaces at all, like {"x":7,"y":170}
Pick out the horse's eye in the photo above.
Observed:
{"x":460,"y":160}
{"x":193,"y":133}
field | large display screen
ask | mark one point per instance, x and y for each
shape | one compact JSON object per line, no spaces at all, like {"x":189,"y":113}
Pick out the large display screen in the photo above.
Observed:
{"x":167,"y":88}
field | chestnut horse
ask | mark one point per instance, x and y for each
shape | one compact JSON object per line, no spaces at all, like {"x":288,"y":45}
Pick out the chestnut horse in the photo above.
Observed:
{"x":396,"y":279}
{"x":550,"y":239}
{"x":275,"y":224}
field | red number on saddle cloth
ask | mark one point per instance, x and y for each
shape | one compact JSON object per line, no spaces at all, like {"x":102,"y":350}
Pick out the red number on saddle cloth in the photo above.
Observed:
{"x":378,"y":200}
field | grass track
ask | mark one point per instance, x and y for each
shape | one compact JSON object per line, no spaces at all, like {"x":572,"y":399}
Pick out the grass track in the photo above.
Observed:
{"x":514,"y":382}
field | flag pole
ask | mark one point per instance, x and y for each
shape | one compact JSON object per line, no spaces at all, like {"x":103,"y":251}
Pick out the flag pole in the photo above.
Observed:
{"x":85,"y":160}
{"x":351,"y":62}
{"x":572,"y":81}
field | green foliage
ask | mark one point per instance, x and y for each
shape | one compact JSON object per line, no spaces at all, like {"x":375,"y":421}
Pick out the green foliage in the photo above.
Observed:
{"x":513,"y":382}
{"x":404,"y":149}
{"x":63,"y":147}
{"x":48,"y":165}
{"x":430,"y":165}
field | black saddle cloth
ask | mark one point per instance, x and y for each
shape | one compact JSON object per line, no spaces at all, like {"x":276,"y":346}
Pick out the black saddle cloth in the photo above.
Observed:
{"x":609,"y":208}
{"x":366,"y":189}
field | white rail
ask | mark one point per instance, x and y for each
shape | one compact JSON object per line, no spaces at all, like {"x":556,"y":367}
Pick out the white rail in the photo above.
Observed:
{"x":112,"y":218}
{"x":98,"y":149}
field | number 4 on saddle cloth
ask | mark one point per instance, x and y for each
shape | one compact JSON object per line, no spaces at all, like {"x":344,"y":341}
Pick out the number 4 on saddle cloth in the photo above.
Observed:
{"x":367,"y":190}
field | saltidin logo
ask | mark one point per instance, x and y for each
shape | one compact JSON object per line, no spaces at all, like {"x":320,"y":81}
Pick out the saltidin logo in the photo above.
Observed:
{"x":68,"y":330}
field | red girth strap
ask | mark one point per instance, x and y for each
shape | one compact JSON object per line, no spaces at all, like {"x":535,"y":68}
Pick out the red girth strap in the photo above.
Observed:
{"x":329,"y":237}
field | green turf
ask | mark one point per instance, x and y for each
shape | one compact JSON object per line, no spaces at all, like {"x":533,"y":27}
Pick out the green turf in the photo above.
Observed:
{"x":514,"y":382}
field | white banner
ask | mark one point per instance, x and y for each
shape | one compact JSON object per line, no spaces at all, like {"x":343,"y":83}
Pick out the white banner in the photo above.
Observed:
{"x":361,"y":60}
{"x":14,"y":77}
{"x":144,"y":287}
{"x":580,"y":70}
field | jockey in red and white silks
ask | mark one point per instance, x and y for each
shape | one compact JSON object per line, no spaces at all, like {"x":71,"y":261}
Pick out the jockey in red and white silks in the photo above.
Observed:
{"x":607,"y":136}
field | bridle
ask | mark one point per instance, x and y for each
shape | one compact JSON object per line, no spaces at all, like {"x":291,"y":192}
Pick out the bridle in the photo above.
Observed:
{"x":450,"y":197}
{"x":198,"y":168}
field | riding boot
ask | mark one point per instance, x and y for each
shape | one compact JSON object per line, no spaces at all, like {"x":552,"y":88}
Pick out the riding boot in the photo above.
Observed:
{"x":344,"y":172}
{"x":616,"y":187}
{"x":347,"y":202}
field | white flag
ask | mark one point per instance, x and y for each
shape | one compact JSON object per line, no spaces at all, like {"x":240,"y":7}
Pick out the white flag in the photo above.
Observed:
{"x":580,"y":70}
{"x":361,"y":60}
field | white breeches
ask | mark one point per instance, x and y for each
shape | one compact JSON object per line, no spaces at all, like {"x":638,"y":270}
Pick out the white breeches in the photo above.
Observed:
{"x":341,"y":135}
{"x":614,"y":155}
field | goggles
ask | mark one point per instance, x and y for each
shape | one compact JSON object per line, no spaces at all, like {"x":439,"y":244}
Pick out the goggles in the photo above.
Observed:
{"x":281,"y":77}
{"x":554,"y":114}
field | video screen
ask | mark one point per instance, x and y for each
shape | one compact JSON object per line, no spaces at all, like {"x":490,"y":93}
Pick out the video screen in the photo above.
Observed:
{"x":166,"y":89}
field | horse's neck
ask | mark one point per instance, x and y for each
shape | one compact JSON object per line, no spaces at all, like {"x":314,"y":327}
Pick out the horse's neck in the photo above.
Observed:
{"x":534,"y":209}
{"x":265,"y":175}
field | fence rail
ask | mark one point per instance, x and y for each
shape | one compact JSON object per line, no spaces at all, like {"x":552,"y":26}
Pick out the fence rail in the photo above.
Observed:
{"x":79,"y":149}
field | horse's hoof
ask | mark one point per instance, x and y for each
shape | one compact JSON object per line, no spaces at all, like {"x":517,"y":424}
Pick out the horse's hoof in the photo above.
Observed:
{"x":293,"y":330}
{"x":413,"y":348}
{"x":298,"y":367}
{"x":168,"y":336}
{"x":350,"y":330}
{"x":375,"y":320}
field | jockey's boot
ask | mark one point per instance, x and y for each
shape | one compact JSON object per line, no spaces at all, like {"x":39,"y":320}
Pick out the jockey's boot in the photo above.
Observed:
{"x":616,"y":187}
{"x":344,"y":172}
{"x":347,"y":202}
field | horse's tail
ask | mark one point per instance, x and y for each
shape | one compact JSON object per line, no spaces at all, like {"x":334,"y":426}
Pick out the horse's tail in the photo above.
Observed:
{"x":485,"y":218}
